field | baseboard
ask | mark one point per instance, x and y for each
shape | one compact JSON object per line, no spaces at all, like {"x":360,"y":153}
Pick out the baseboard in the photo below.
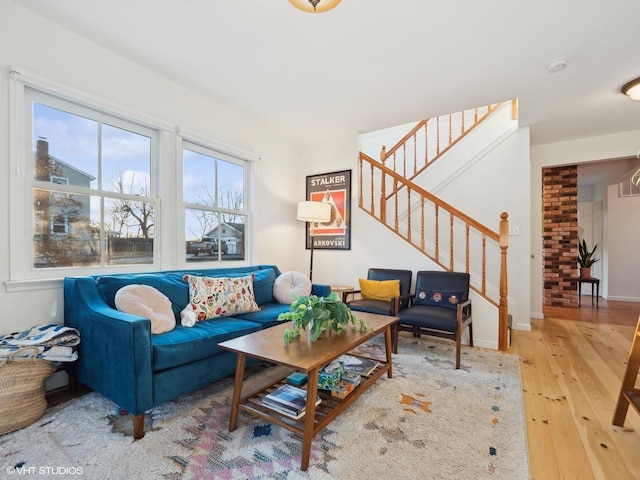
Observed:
{"x":623,"y":299}
{"x":485,"y":344}
{"x":525,"y":327}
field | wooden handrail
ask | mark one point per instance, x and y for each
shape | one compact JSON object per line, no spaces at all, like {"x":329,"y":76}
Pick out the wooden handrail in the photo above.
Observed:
{"x":423,"y":125}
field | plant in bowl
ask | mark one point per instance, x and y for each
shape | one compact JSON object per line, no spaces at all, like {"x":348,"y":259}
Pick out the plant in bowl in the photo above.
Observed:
{"x":586,"y":258}
{"x":317,"y":314}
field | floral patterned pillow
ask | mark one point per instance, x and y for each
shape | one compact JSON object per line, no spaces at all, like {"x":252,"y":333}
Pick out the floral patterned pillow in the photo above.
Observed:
{"x":213,"y":297}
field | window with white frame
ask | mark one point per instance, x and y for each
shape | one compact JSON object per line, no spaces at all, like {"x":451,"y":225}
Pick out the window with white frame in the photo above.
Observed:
{"x":215,"y":192}
{"x":89,"y":176}
{"x":85,"y":182}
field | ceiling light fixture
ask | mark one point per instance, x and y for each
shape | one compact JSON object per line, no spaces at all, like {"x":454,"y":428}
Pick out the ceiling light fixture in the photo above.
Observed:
{"x":557,"y":65}
{"x":314,"y":6}
{"x":632,"y":89}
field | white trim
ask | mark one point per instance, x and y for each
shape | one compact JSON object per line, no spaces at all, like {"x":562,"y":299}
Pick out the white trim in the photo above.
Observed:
{"x":12,"y":286}
{"x":212,"y":144}
{"x":73,"y":95}
{"x":624,"y":299}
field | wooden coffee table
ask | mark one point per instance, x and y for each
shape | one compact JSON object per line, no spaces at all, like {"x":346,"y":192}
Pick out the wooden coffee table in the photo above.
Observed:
{"x":306,"y":357}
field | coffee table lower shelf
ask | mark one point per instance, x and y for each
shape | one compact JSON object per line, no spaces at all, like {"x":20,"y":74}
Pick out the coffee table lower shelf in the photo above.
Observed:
{"x":305,"y":357}
{"x":328,"y":409}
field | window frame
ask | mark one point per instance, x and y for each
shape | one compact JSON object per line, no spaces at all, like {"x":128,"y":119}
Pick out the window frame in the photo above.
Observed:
{"x":193,"y":143}
{"x":169,"y":228}
{"x":24,"y":88}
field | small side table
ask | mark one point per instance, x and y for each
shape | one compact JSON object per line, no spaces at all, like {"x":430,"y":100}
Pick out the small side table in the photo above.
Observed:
{"x":595,"y":282}
{"x":341,"y":288}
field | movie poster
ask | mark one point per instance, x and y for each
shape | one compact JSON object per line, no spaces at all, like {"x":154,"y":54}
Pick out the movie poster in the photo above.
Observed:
{"x":335,"y":189}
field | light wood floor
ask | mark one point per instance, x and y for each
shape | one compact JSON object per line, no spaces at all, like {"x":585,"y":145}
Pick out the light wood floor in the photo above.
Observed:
{"x":571,"y":365}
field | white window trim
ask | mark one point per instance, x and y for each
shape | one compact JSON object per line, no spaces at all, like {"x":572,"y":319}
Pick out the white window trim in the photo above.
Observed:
{"x":227,"y":153}
{"x":23,"y":279}
{"x":22,"y":276}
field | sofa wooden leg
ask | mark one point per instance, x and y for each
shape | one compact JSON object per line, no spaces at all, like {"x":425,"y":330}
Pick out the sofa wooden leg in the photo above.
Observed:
{"x":138,"y":426}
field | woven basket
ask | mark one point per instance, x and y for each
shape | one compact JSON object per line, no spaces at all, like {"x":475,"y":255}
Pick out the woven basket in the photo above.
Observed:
{"x":22,"y":390}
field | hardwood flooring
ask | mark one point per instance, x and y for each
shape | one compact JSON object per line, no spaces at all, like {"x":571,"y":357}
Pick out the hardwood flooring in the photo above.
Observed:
{"x":571,"y":365}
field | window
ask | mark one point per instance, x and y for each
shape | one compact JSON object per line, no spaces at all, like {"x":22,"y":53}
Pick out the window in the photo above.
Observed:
{"x":631,"y":186}
{"x":91,"y":184}
{"x":215,"y":198}
{"x":86,"y":185}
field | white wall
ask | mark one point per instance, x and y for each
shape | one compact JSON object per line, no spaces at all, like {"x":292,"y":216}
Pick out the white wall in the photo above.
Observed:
{"x":623,"y":238}
{"x":41,"y":47}
{"x":586,"y":150}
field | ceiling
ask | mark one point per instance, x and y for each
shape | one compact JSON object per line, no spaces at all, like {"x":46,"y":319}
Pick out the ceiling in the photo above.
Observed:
{"x":372,"y":64}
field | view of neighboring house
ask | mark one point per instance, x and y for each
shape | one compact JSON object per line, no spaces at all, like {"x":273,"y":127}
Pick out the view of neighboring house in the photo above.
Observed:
{"x":62,"y":221}
{"x":231,"y":236}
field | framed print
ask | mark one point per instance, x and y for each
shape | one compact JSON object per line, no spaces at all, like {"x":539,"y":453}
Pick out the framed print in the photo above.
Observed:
{"x":333,"y":188}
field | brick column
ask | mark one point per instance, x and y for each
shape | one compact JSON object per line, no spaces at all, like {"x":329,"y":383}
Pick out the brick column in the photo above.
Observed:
{"x":560,"y":235}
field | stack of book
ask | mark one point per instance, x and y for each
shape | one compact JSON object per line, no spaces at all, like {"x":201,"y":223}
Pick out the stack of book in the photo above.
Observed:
{"x":360,"y":365}
{"x":288,"y":400}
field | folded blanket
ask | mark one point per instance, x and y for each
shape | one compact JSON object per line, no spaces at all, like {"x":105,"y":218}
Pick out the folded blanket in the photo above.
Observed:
{"x":53,"y":354}
{"x":54,"y":343}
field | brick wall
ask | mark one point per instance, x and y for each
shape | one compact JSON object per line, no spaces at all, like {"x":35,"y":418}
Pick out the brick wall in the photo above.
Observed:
{"x":560,"y":235}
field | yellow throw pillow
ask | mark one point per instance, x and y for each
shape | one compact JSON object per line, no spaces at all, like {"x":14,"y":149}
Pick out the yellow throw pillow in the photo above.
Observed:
{"x":379,"y":289}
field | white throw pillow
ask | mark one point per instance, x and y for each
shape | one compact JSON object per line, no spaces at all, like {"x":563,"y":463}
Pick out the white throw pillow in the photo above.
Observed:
{"x":291,"y":285}
{"x":148,"y":302}
{"x":188,"y":316}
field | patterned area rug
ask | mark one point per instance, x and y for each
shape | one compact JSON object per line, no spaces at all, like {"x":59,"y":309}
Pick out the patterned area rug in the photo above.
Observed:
{"x":429,"y":421}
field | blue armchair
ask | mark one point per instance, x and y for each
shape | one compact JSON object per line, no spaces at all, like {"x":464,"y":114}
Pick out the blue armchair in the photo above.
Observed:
{"x":440,"y":307}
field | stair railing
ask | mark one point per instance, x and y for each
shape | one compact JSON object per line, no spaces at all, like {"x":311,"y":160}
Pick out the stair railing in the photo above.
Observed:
{"x":431,"y":138}
{"x":447,"y":236}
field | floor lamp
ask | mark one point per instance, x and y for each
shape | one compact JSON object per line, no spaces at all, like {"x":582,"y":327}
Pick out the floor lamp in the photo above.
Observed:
{"x":313,"y":212}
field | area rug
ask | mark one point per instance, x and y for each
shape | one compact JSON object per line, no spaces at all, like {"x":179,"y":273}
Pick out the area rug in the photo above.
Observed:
{"x":429,"y":421}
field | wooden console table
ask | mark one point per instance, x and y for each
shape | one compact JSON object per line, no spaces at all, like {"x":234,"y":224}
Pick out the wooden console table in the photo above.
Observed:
{"x":306,"y":357}
{"x":594,"y":282}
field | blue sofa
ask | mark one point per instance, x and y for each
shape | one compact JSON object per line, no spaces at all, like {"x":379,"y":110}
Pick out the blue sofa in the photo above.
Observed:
{"x":119,"y":357}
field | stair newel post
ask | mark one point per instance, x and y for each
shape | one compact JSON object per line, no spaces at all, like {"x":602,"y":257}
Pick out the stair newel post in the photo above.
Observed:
{"x":360,"y":198}
{"x":383,"y":187}
{"x":503,"y":309}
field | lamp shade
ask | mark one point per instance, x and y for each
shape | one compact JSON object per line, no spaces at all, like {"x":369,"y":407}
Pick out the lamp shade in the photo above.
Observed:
{"x":314,"y":6}
{"x":314,"y":212}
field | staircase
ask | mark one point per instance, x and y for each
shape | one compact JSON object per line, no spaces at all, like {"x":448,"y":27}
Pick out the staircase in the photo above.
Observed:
{"x":450,"y":238}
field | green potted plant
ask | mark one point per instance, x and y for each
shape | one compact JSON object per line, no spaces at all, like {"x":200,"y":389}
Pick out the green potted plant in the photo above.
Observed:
{"x":586,"y":258}
{"x":317,"y":314}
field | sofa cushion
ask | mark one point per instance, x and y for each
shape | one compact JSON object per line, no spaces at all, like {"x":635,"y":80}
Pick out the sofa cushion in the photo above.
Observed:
{"x":429,"y":316}
{"x":268,"y":314}
{"x":147,"y":302}
{"x":379,"y":289}
{"x":263,"y":285}
{"x":439,"y":298}
{"x":213,"y":297}
{"x":183,"y":345}
{"x":291,"y":285}
{"x":380,"y":307}
{"x":170,"y":284}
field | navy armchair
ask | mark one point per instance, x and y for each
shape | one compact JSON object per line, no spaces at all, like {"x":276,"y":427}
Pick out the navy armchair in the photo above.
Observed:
{"x":440,"y":307}
{"x":382,"y":307}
